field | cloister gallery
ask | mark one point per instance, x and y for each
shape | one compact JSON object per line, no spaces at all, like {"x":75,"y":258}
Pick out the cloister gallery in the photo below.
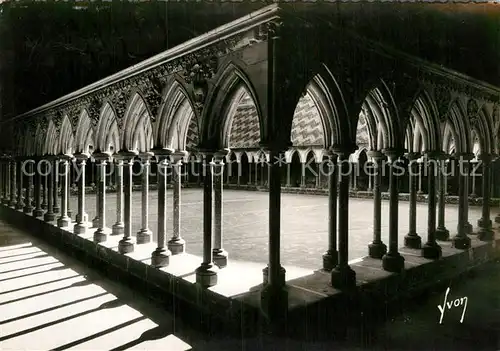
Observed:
{"x":256,"y":104}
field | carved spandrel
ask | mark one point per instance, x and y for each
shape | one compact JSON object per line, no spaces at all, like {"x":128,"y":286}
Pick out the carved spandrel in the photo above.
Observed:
{"x":443,"y":99}
{"x":93,"y":109}
{"x":472,"y":111}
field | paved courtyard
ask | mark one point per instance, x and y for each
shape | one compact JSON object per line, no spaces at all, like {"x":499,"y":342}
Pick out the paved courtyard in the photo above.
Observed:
{"x":304,"y":223}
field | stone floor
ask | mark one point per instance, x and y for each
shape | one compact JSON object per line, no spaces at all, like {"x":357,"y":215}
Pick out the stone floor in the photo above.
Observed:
{"x":304,"y":223}
{"x":51,"y":301}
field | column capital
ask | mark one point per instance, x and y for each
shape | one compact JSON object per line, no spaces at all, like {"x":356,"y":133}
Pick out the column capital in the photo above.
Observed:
{"x":145,"y":156}
{"x":64,"y":157}
{"x":435,"y":155}
{"x":411,"y":156}
{"x":81,"y":156}
{"x":376,"y":155}
{"x":220,"y":155}
{"x":102,"y":156}
{"x":464,"y":156}
{"x":125,"y":155}
{"x":393,"y":153}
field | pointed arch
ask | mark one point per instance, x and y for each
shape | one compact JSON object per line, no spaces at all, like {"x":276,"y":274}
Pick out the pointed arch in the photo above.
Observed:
{"x":66,"y":139}
{"x":485,"y":131}
{"x":107,"y":133}
{"x":84,"y":133}
{"x":427,"y":116}
{"x":460,"y":124}
{"x":39,"y":141}
{"x":449,"y":137}
{"x":137,"y":128}
{"x":220,"y":106}
{"x":51,"y":142}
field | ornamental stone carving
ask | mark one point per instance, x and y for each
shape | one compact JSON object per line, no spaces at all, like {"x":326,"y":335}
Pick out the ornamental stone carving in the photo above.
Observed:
{"x":472,"y":111}
{"x":93,"y":109}
{"x":443,"y":100}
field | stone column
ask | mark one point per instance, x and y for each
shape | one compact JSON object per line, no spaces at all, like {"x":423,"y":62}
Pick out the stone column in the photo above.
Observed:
{"x":485,"y":232}
{"x":95,"y":176}
{"x":256,"y":173}
{"x":412,"y":239}
{"x":38,"y":212}
{"x":377,"y":249}
{"x":473,"y":175}
{"x":20,"y":200}
{"x":343,"y":276}
{"x":5,"y":181}
{"x":355,"y":166}
{"x":81,"y":220}
{"x":219,"y":254}
{"x":2,"y":179}
{"x":302,"y":175}
{"x":330,"y":258}
{"x":288,"y":185}
{"x":13,"y":186}
{"x":468,"y":225}
{"x":238,"y":182}
{"x":126,"y":245}
{"x":420,"y":166}
{"x":64,"y":220}
{"x":28,"y":167}
{"x":68,"y":187}
{"x":176,"y":244}
{"x":144,"y":234}
{"x":431,"y":249}
{"x":370,"y":184}
{"x":206,"y":274}
{"x":461,"y":240}
{"x":100,"y":235}
{"x":45,"y":169}
{"x":392,"y":260}
{"x":442,"y":233}
{"x":50,"y":215}
{"x":118,"y":227}
{"x":161,"y":256}
{"x":55,"y":194}
{"x":249,"y":173}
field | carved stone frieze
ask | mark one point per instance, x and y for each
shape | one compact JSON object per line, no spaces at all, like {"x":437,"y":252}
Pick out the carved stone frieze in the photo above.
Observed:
{"x":120,"y":101}
{"x":472,"y":111}
{"x":442,"y":96}
{"x":93,"y":109}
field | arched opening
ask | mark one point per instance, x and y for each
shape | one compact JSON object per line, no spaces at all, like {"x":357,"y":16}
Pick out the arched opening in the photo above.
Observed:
{"x":233,"y":169}
{"x":245,"y":169}
{"x":295,"y":170}
{"x":310,"y":170}
{"x":363,"y":180}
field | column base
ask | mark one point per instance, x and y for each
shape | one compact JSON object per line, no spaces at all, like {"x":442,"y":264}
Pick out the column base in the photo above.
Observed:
{"x":80,"y":228}
{"x":82,"y":218}
{"x":461,"y":242}
{"x":70,"y":213}
{"x":393,"y":262}
{"x":176,"y":246}
{"x":100,"y":236}
{"x":330,"y":260}
{"x":143,"y":236}
{"x":219,"y":257}
{"x":442,"y":234}
{"x":13,"y":204}
{"x":6,"y":202}
{"x":274,"y":303}
{"x":44,"y":206}
{"x":497,"y":218}
{"x":28,"y":209}
{"x":118,"y":228}
{"x":95,"y":222}
{"x":482,"y":223}
{"x":160,"y":258}
{"x":125,"y":246}
{"x":343,"y":277}
{"x":38,"y":213}
{"x":63,"y":221}
{"x":432,"y":251}
{"x":206,"y":275}
{"x":413,"y":241}
{"x":49,"y":217}
{"x":282,"y":279}
{"x":485,"y":234}
{"x":377,"y":249}
{"x":20,"y":206}
{"x":56,"y":209}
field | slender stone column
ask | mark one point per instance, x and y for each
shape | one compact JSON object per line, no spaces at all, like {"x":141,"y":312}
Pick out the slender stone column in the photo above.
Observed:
{"x":249,"y":173}
{"x":161,"y":256}
{"x":377,"y":249}
{"x":6,"y":177}
{"x":38,"y":212}
{"x":44,"y":183}
{"x":355,"y":172}
{"x":318,"y":176}
{"x":485,"y":232}
{"x":219,"y":254}
{"x":256,"y":173}
{"x":144,"y":234}
{"x":13,"y":186}
{"x":20,"y":200}
{"x":119,"y":227}
{"x":370,"y":183}
{"x":81,"y":219}
{"x":392,"y":260}
{"x":100,"y":235}
{"x":176,"y":244}
{"x":288,"y":185}
{"x":239,"y":173}
{"x":330,"y":257}
{"x":64,"y":220}
{"x":55,"y":194}
{"x":473,"y":175}
{"x":50,"y":215}
{"x":431,"y":249}
{"x":68,"y":187}
{"x":412,"y":239}
{"x":28,"y":166}
{"x":461,"y":240}
{"x":442,"y":233}
{"x":467,"y":224}
{"x":126,"y":245}
{"x":95,"y":176}
{"x":343,"y":276}
{"x":206,"y":274}
{"x":420,"y":167}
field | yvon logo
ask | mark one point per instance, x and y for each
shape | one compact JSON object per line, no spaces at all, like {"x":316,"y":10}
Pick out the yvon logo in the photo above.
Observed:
{"x":452,"y":304}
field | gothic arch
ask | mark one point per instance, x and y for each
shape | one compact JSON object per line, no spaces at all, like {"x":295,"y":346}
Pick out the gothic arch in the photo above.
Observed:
{"x":449,"y":137}
{"x":458,"y":119}
{"x":66,"y":138}
{"x":107,"y":130}
{"x":51,"y":142}
{"x":137,"y":130}
{"x":425,"y":112}
{"x":485,"y":131}
{"x":84,"y":133}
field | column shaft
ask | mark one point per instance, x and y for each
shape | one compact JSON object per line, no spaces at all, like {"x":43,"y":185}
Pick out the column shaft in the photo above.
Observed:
{"x":161,"y":256}
{"x":126,"y":245}
{"x":377,"y":249}
{"x":81,"y":225}
{"x":144,"y":234}
{"x":219,"y":254}
{"x":118,"y":227}
{"x":330,"y":258}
